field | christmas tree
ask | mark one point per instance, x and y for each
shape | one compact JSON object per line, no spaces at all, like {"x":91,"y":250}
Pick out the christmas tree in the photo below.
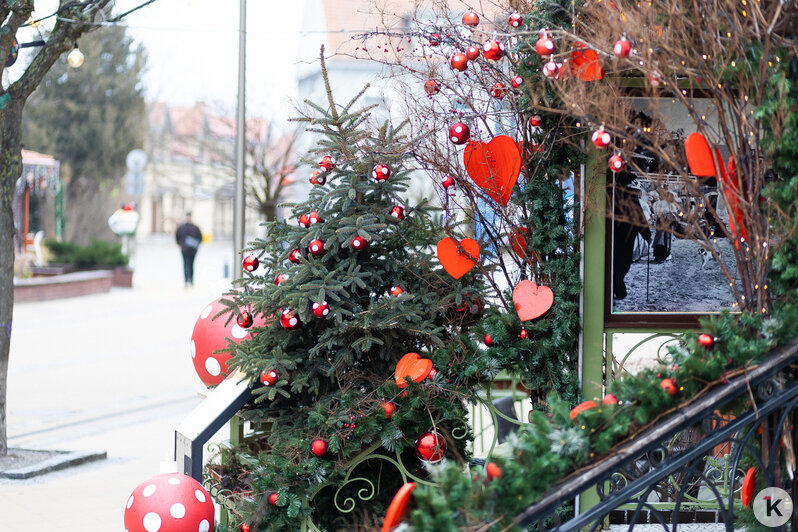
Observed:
{"x":347,"y":293}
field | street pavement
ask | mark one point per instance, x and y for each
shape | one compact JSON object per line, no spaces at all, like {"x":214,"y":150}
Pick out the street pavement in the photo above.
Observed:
{"x":106,"y":372}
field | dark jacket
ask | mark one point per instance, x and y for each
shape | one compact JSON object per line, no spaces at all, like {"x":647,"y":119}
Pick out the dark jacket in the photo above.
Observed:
{"x":188,"y":237}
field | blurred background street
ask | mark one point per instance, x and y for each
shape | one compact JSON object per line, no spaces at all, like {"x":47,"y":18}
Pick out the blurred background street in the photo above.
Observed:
{"x":105,"y":372}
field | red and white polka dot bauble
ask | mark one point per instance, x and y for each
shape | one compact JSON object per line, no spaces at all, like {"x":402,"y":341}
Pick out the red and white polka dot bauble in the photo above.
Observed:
{"x":245,"y":320}
{"x":493,"y":50}
{"x":359,"y":243}
{"x":304,"y":221}
{"x":601,"y":139}
{"x":210,"y":335}
{"x":317,"y":178}
{"x":515,"y":20}
{"x":471,"y":19}
{"x":289,"y":320}
{"x":516,"y":81}
{"x":459,"y":62}
{"x":544,"y":47}
{"x":280,"y":278}
{"x":472,"y":52}
{"x":617,"y":163}
{"x":295,"y":256}
{"x":498,"y":90}
{"x":551,"y":69}
{"x":381,"y":172}
{"x":622,"y":47}
{"x":398,"y":212}
{"x":327,"y":163}
{"x":320,"y":310}
{"x":459,"y":133}
{"x":448,"y":182}
{"x":314,"y":218}
{"x":316,"y":247}
{"x":169,"y":502}
{"x":250,"y":263}
{"x":396,"y":291}
{"x":435,"y":39}
{"x":535,"y":120}
{"x":432,"y":87}
{"x":269,"y":378}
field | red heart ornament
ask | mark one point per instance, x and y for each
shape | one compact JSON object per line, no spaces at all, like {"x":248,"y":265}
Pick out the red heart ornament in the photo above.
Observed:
{"x":699,"y":155}
{"x":585,"y":64}
{"x":413,"y":366}
{"x":518,"y":240}
{"x":494,"y":166}
{"x":532,"y":301}
{"x":398,"y":507}
{"x":455,"y":262}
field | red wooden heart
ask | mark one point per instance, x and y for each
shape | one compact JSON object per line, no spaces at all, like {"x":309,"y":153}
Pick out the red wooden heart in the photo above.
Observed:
{"x":518,"y":240}
{"x":585,"y":64}
{"x":532,"y":301}
{"x":455,"y":262}
{"x":398,"y":507}
{"x":749,"y":486}
{"x":699,"y":155}
{"x":413,"y":366}
{"x":494,"y":166}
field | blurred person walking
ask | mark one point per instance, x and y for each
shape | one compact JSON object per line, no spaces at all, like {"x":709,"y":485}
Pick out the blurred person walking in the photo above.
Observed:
{"x":188,"y":237}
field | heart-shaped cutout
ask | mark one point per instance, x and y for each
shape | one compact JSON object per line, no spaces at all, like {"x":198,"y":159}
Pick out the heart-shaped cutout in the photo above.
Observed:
{"x":699,"y":155}
{"x":585,"y":64}
{"x":532,"y":301}
{"x":494,"y":166}
{"x":456,"y":262}
{"x":518,"y":240}
{"x":413,"y":366}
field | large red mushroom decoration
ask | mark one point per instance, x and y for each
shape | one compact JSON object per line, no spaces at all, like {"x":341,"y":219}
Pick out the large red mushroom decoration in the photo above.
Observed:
{"x":169,"y":502}
{"x":211,"y":335}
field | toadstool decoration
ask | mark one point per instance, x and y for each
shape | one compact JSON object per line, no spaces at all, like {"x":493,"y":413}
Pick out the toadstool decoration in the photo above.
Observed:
{"x":169,"y":502}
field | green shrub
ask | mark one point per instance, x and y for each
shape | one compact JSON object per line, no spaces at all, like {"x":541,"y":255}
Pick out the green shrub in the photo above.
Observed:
{"x":98,"y":253}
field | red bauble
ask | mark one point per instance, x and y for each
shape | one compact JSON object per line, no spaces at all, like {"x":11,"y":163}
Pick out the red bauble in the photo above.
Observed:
{"x":448,"y":182}
{"x":295,"y":256}
{"x":304,"y":221}
{"x":209,"y":336}
{"x":250,"y":263}
{"x":245,"y":320}
{"x":169,"y":502}
{"x":471,"y":19}
{"x":314,"y":218}
{"x":316,"y":247}
{"x":381,"y":172}
{"x":359,"y":243}
{"x":327,"y":163}
{"x":472,"y":52}
{"x":434,"y":39}
{"x":544,"y":47}
{"x":319,"y":447}
{"x":459,"y":133}
{"x":516,"y":81}
{"x":535,"y":120}
{"x":280,"y":278}
{"x":459,"y":62}
{"x":610,"y":399}
{"x":431,"y":447}
{"x":622,"y":47}
{"x":320,"y":309}
{"x":551,"y":69}
{"x":317,"y":178}
{"x":289,"y":320}
{"x":432,"y":373}
{"x":515,"y":20}
{"x":600,"y":138}
{"x":273,"y":499}
{"x":706,"y":341}
{"x":245,"y":527}
{"x":492,"y":471}
{"x":524,"y":334}
{"x":398,"y":212}
{"x":498,"y":90}
{"x":669,"y":385}
{"x":432,"y":87}
{"x":269,"y":378}
{"x":488,"y":340}
{"x":617,"y":164}
{"x":493,"y":50}
{"x":396,"y":291}
{"x":389,"y":409}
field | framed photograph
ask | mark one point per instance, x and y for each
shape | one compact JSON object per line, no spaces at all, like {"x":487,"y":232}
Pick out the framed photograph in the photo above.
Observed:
{"x":668,"y":256}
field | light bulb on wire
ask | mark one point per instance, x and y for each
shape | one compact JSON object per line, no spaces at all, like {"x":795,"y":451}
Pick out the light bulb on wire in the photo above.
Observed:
{"x":75,"y":57}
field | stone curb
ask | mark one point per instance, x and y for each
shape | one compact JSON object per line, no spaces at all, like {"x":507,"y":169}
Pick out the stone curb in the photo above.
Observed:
{"x":63,"y":460}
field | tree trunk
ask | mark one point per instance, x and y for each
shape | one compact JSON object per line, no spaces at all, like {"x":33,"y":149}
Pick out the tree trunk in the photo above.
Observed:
{"x":10,"y":170}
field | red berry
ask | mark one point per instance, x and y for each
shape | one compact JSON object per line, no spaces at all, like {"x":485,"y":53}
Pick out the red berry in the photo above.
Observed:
{"x":498,"y":90}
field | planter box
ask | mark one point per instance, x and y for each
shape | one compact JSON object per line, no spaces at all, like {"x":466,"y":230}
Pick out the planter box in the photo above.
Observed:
{"x":123,"y":277}
{"x":61,"y":286}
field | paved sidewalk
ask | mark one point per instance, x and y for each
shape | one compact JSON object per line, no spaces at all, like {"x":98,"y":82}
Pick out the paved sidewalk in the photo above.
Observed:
{"x":105,"y":372}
